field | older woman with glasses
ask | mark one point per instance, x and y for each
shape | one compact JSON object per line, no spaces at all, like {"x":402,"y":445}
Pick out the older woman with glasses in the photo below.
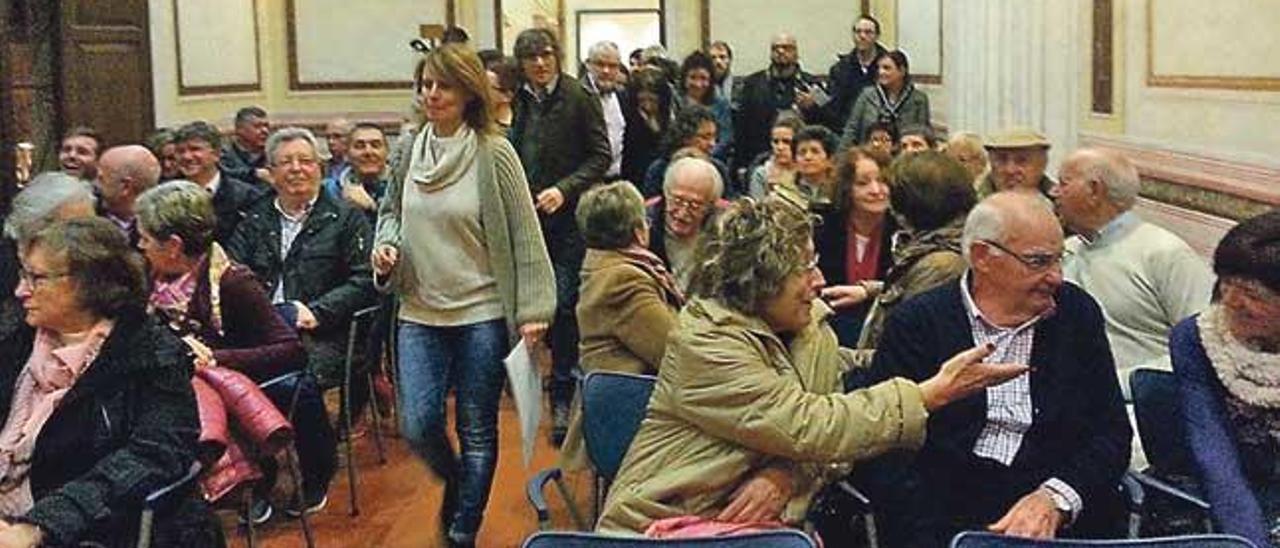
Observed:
{"x":746,"y":417}
{"x":101,"y":412}
{"x":458,"y":243}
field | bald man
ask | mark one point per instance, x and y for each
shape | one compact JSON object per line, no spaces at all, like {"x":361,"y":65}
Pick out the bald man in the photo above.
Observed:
{"x":124,"y":172}
{"x":1038,"y":456}
{"x":781,"y":87}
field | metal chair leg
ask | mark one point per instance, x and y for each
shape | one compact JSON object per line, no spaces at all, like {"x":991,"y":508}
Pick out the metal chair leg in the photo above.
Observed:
{"x":348,"y":443}
{"x":296,"y":472}
{"x":247,"y":496}
{"x":375,"y":411}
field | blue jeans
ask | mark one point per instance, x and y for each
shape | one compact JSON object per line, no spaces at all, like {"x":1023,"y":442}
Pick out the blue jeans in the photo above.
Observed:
{"x":467,"y":358}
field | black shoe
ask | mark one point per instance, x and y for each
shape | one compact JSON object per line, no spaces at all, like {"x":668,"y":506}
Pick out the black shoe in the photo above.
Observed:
{"x":559,"y":423}
{"x":314,"y":504}
{"x":259,"y":513}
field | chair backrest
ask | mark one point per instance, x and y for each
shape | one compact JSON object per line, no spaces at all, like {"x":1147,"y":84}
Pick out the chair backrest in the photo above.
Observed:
{"x":1160,"y":426}
{"x":613,"y":405}
{"x":977,"y":539}
{"x":782,"y":538}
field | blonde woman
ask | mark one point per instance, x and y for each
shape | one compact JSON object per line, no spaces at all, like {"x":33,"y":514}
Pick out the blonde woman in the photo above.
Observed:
{"x":458,"y":243}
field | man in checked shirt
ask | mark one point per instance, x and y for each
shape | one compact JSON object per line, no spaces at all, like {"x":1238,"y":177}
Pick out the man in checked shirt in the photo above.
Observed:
{"x":1037,"y":456}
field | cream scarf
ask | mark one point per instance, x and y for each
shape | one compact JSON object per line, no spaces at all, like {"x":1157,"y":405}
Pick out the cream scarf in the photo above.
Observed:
{"x":1251,"y":378}
{"x":434,"y":168}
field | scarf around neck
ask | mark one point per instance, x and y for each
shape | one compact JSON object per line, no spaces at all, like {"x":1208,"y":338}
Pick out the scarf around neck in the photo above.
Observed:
{"x":433,"y":166}
{"x":171,"y":299}
{"x":1250,"y":375}
{"x":652,"y":265}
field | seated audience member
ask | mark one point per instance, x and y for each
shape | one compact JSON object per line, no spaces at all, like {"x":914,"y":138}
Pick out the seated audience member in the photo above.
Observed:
{"x":691,"y":191}
{"x":102,"y":412}
{"x":504,"y":81}
{"x":779,"y":167}
{"x":309,"y":251}
{"x":698,"y":89}
{"x":966,"y":148}
{"x":1226,"y":360}
{"x":1039,"y":456}
{"x":124,"y":172}
{"x":1144,"y":277}
{"x":855,"y":243}
{"x":78,"y":153}
{"x":363,"y":184}
{"x":1018,"y":160}
{"x":882,"y":139}
{"x":694,"y":127}
{"x":51,"y":196}
{"x":930,"y":198}
{"x":628,"y":301}
{"x":164,"y":146}
{"x":199,"y":291}
{"x":893,"y":99}
{"x":199,"y":144}
{"x":244,"y":156}
{"x":916,"y":139}
{"x":746,"y":417}
{"x":335,"y":138}
{"x":815,"y":186}
{"x":649,"y":120}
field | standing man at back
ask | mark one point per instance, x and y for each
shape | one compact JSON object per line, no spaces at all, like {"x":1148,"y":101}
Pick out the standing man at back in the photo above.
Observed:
{"x":559,"y":132}
{"x":853,"y":71}
{"x":781,"y":87}
{"x":604,"y":71}
{"x":722,"y":76}
{"x":244,"y":156}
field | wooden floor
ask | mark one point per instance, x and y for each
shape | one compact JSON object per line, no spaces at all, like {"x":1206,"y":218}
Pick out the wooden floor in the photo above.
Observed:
{"x":399,"y":500}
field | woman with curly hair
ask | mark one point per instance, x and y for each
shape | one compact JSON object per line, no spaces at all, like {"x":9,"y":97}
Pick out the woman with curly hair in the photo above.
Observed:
{"x":694,"y":127}
{"x":747,"y":417}
{"x":699,"y":89}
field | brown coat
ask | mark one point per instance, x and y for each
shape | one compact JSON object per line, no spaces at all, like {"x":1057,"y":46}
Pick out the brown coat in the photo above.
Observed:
{"x":623,"y":320}
{"x":733,"y":398}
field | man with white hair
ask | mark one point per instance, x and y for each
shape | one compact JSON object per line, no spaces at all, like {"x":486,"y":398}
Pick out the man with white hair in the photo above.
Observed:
{"x":1145,"y":278}
{"x":604,"y":72}
{"x":124,"y":172}
{"x":691,"y":191}
{"x":1040,"y":455}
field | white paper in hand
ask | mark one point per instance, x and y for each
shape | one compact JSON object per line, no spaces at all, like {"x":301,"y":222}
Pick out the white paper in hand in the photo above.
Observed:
{"x":526,"y":389}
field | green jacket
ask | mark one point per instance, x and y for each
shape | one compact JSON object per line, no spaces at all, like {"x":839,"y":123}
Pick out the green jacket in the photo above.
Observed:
{"x":733,"y":398}
{"x":517,"y":254}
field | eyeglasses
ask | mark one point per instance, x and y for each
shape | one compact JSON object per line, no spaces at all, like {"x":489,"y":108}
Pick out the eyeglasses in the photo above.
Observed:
{"x":692,"y":206}
{"x":304,"y":161}
{"x":35,"y":279}
{"x":1033,"y":261}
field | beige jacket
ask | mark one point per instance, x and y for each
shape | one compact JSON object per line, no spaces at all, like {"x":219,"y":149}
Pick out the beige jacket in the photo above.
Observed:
{"x":731,"y":399}
{"x":623,"y":321}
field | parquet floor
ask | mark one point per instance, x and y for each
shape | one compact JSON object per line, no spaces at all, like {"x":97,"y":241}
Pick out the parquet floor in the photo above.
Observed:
{"x":399,"y":500}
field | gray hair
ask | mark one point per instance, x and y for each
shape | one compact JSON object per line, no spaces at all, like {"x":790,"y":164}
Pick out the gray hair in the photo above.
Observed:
{"x":608,"y":215}
{"x":37,"y":204}
{"x":600,"y":48}
{"x":178,"y":208}
{"x":1116,"y":173}
{"x":287,"y":135}
{"x":987,"y":220}
{"x":679,"y":167}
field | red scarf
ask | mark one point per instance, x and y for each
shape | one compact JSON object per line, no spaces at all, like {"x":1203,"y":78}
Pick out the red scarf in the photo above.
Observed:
{"x":869,"y":267}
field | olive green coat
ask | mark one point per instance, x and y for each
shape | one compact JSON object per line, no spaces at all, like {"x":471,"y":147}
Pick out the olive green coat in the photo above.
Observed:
{"x":623,"y":321}
{"x":733,"y":398}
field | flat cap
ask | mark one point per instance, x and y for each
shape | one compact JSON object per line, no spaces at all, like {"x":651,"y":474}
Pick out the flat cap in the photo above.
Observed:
{"x":1015,"y":137}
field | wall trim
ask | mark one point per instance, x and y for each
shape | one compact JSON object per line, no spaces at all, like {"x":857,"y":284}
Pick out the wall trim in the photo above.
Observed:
{"x":191,"y":91}
{"x":1201,"y":171}
{"x":1198,"y":81}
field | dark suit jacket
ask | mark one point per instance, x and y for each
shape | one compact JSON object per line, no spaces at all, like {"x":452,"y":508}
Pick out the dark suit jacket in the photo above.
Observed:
{"x":761,"y":99}
{"x":230,"y":204}
{"x":1080,"y":432}
{"x":327,"y":269}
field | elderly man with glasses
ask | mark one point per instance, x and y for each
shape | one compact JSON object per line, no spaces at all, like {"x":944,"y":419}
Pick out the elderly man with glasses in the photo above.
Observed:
{"x":1038,"y":456}
{"x":691,"y":190}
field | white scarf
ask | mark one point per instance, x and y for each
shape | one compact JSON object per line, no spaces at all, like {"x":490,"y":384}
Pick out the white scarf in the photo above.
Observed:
{"x":436,"y":169}
{"x":1250,"y":375}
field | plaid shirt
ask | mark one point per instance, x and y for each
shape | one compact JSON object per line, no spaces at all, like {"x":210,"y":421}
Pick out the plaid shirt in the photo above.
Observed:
{"x":290,"y":228}
{"x":1009,"y":407}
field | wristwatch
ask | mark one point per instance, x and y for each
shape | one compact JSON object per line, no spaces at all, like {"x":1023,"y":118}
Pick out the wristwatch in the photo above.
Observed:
{"x":1060,"y":502}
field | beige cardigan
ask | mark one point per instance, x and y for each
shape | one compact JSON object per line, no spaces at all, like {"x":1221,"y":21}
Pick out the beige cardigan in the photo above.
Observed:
{"x":517,"y":253}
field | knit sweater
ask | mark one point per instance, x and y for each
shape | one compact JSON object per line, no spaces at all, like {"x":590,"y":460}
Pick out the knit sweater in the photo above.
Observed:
{"x":1146,"y":279}
{"x":517,"y":254}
